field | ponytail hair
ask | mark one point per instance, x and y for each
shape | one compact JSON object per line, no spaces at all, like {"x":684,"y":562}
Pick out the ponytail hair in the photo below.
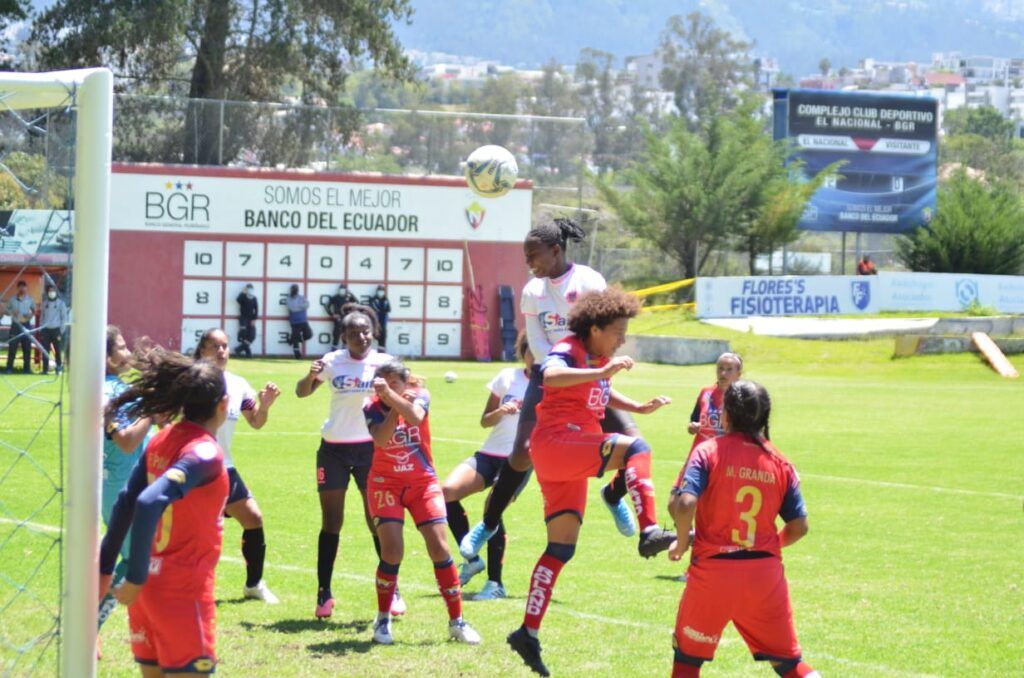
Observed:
{"x":748,"y":407}
{"x":557,"y":232}
{"x":203,"y":338}
{"x":170,"y":384}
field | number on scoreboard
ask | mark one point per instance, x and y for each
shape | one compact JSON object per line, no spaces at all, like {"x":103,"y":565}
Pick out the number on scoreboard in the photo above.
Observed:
{"x":444,"y":339}
{"x":444,"y":302}
{"x":201,"y":297}
{"x":245,"y":260}
{"x":285,"y":260}
{"x":405,"y":264}
{"x":204,"y":258}
{"x":366,"y":263}
{"x":444,"y":265}
{"x":325,"y":262}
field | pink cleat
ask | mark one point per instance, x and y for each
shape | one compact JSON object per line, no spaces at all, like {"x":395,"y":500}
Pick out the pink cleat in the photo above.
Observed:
{"x":324,"y":605}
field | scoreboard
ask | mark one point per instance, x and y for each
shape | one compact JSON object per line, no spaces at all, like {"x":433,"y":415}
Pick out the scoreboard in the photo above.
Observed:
{"x":186,"y":240}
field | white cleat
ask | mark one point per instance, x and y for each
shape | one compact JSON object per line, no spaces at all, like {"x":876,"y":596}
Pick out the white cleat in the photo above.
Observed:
{"x":461,"y":631}
{"x":382,"y":632}
{"x":397,"y":604}
{"x":260,"y":592}
{"x":470,"y":569}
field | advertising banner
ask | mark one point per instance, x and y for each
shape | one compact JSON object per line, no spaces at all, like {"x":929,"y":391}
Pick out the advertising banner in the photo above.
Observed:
{"x":40,"y":236}
{"x":889,"y":146}
{"x":836,"y":295}
{"x":259,"y":202}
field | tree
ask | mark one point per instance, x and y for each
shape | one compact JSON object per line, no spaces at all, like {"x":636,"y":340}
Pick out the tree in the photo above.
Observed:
{"x":985,"y":121}
{"x":824,"y":67}
{"x":693,"y":193}
{"x":704,"y":66}
{"x":224,"y":49}
{"x":978,"y":228}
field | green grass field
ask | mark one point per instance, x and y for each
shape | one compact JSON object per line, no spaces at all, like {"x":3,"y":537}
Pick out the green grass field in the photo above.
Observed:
{"x":911,"y":469}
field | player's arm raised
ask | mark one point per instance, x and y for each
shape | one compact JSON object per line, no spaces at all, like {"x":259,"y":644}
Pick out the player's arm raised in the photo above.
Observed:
{"x":257,"y":410}
{"x":495,"y":411}
{"x":621,"y":402}
{"x":311,"y":381}
{"x":559,"y":374}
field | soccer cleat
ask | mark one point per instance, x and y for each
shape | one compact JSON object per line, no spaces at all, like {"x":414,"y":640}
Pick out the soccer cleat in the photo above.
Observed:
{"x":260,"y":592}
{"x":474,"y":540}
{"x":470,"y":569}
{"x":624,"y":520}
{"x":460,"y":630}
{"x":324,"y":604}
{"x":528,"y":648}
{"x":492,"y":590}
{"x":382,"y":632}
{"x":654,"y":541}
{"x":397,"y":604}
{"x":682,"y":578}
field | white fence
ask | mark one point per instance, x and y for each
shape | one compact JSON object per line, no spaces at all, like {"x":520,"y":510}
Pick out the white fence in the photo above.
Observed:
{"x":844,"y":294}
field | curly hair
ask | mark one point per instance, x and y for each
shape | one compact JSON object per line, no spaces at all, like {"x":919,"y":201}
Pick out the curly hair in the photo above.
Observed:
{"x":600,"y":309}
{"x":170,"y":383}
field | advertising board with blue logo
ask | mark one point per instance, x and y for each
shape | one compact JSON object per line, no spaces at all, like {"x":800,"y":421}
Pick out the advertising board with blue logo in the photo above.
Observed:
{"x":887,"y":144}
{"x":837,"y":295}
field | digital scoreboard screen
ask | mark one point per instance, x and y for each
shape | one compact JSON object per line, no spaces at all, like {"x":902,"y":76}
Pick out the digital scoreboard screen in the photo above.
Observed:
{"x":889,"y":146}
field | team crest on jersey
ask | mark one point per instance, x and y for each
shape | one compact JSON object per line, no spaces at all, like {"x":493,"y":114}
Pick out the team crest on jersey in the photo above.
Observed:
{"x":571,"y":296}
{"x":206,"y":450}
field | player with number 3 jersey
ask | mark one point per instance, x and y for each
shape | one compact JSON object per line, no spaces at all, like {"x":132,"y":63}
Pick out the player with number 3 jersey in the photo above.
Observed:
{"x":737,"y":484}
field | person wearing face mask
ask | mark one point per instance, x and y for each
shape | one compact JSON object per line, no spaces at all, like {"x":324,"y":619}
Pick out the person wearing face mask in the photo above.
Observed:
{"x":22,"y":309}
{"x":248,"y":312}
{"x":382,"y":306}
{"x":51,"y":328}
{"x":298,"y":305}
{"x":333,"y":308}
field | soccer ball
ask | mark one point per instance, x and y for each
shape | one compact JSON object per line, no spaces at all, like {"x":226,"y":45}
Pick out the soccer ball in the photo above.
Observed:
{"x":491,"y":171}
{"x":450,"y":376}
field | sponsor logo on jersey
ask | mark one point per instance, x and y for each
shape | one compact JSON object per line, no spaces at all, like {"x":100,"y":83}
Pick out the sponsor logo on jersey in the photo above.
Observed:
{"x":552,"y":320}
{"x":156,"y":564}
{"x":351,"y":382}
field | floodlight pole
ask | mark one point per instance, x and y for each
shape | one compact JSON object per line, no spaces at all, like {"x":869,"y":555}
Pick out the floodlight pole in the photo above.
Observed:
{"x":93,"y":134}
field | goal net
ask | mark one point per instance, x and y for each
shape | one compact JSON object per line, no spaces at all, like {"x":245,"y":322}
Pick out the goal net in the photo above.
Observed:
{"x":55,"y":140}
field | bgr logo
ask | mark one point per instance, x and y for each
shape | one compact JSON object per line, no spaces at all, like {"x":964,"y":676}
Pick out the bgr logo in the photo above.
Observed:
{"x":177,"y":202}
{"x":966,"y":291}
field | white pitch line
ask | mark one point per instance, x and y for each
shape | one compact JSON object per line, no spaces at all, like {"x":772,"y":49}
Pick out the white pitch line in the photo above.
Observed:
{"x":558,"y":609}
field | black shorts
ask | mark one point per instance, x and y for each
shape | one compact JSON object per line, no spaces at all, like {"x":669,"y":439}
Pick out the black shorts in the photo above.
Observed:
{"x":617,"y":421}
{"x":237,"y":490}
{"x":534,"y":394}
{"x":489,"y":466}
{"x":336,"y":463}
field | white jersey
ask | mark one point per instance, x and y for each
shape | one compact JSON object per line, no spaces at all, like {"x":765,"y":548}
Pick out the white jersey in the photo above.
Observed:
{"x":351,"y":382}
{"x":509,"y":385}
{"x":240,"y":397}
{"x":546,"y":303}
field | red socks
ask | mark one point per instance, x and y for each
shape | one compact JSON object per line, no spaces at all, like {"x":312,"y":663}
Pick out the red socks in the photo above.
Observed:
{"x":387,"y":580}
{"x":799,"y":671}
{"x":681,"y":670}
{"x":641,"y":489}
{"x":545,"y":572}
{"x":447,"y":576}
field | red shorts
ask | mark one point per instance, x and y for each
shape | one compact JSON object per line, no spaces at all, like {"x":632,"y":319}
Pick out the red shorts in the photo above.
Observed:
{"x":752,"y":594}
{"x":175,"y":632}
{"x":388,"y":502}
{"x":564,"y":458}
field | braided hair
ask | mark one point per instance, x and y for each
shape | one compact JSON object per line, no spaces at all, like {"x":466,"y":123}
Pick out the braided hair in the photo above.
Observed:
{"x":170,"y":383}
{"x":748,"y":406}
{"x":557,"y":232}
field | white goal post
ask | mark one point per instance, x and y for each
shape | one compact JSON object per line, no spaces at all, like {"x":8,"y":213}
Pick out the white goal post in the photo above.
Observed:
{"x":90,"y":93}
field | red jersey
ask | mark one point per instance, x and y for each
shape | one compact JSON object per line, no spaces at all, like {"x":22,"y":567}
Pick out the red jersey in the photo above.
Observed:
{"x":708,"y":413}
{"x":405,"y":458}
{"x":741,"y":488}
{"x":583,"y":404}
{"x":187,"y":543}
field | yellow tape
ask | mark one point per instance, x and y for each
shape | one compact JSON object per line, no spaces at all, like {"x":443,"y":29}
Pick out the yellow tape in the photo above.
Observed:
{"x":666,"y":287}
{"x":669,"y":307}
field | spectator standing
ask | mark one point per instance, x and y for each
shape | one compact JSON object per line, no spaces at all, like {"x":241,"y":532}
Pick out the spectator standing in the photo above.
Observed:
{"x":22,"y":309}
{"x":382,"y":306}
{"x":334,"y":306}
{"x":51,"y":327}
{"x":248,"y":312}
{"x":301,"y":331}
